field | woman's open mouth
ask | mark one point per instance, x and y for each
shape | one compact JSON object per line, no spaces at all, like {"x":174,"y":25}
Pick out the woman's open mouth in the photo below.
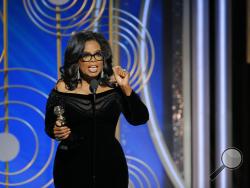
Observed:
{"x":92,"y":68}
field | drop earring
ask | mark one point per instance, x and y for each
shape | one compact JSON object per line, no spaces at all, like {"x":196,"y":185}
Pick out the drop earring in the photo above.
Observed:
{"x":102,"y":74}
{"x":78,"y":75}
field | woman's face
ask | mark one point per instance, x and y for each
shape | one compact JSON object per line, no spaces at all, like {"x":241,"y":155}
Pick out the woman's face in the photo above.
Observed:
{"x":91,"y":63}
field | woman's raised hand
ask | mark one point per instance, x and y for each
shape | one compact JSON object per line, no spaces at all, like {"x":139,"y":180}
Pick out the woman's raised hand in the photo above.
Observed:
{"x":122,"y":78}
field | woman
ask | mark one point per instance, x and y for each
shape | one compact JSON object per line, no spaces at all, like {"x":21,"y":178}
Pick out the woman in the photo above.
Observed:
{"x":89,"y":154}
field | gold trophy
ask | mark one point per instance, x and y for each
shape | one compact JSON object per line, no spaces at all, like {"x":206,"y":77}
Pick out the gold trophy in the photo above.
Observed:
{"x":59,"y":110}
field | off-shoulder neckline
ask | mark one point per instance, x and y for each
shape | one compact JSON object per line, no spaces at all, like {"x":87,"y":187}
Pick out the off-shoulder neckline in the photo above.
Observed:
{"x":85,"y":95}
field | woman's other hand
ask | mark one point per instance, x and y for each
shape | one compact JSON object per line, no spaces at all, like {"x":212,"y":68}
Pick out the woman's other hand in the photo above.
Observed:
{"x":122,"y":79}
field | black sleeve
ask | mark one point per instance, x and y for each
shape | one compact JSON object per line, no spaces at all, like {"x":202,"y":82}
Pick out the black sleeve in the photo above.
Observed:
{"x":134,"y":110}
{"x":50,"y":118}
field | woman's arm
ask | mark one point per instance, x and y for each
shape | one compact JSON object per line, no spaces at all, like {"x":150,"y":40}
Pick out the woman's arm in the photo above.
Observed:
{"x":134,"y":110}
{"x":50,"y":117}
{"x":132,"y":107}
{"x":59,"y":132}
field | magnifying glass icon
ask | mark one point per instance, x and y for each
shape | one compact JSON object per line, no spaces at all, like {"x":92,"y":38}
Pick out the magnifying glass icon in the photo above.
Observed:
{"x":231,"y":158}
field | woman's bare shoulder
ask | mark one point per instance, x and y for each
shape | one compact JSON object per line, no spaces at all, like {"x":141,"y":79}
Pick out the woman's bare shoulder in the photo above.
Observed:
{"x":61,"y":86}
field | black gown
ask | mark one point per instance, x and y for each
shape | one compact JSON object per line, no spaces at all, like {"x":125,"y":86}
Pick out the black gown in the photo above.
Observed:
{"x":92,"y":152}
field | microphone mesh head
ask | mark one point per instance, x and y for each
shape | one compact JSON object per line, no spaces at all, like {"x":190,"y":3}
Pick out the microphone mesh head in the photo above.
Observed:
{"x":93,"y":85}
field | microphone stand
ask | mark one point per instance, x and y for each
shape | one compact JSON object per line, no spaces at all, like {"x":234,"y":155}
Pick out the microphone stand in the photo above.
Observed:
{"x":94,"y":140}
{"x":93,"y":87}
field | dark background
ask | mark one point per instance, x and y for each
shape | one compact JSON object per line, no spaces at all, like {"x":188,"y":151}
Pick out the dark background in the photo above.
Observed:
{"x":241,"y":90}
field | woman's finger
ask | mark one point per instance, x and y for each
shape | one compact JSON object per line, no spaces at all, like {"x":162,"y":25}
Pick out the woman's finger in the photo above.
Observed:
{"x":116,"y":70}
{"x":60,"y":128}
{"x":58,"y":123}
{"x":62,"y":134}
{"x":66,"y":136}
{"x":119,"y":71}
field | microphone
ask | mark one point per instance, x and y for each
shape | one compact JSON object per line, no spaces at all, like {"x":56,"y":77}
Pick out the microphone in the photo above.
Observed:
{"x":93,"y":86}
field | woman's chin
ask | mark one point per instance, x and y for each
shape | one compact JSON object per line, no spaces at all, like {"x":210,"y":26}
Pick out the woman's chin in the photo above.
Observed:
{"x":92,"y":75}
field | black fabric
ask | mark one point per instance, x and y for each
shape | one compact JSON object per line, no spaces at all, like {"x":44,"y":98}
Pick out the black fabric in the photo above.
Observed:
{"x":74,"y":161}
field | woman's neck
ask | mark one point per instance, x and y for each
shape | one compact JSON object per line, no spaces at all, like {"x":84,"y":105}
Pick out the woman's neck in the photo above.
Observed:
{"x":86,"y":78}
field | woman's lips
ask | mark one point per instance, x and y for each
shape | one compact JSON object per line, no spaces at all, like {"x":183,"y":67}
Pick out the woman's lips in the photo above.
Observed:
{"x":92,"y":69}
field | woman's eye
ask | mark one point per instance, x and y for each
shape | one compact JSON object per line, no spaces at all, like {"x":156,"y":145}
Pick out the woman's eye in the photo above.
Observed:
{"x":86,"y":57}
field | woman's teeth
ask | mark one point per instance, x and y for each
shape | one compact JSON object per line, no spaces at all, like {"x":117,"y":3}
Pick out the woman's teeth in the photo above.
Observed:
{"x":92,"y":69}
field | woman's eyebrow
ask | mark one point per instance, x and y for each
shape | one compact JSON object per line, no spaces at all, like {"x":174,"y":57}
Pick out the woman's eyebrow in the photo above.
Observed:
{"x":86,"y":52}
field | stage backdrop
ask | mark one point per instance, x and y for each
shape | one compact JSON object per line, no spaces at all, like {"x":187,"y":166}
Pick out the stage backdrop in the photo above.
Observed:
{"x":33,"y":40}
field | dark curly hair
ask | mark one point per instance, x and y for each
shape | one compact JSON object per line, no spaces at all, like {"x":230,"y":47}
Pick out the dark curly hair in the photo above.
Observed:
{"x":74,"y":49}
